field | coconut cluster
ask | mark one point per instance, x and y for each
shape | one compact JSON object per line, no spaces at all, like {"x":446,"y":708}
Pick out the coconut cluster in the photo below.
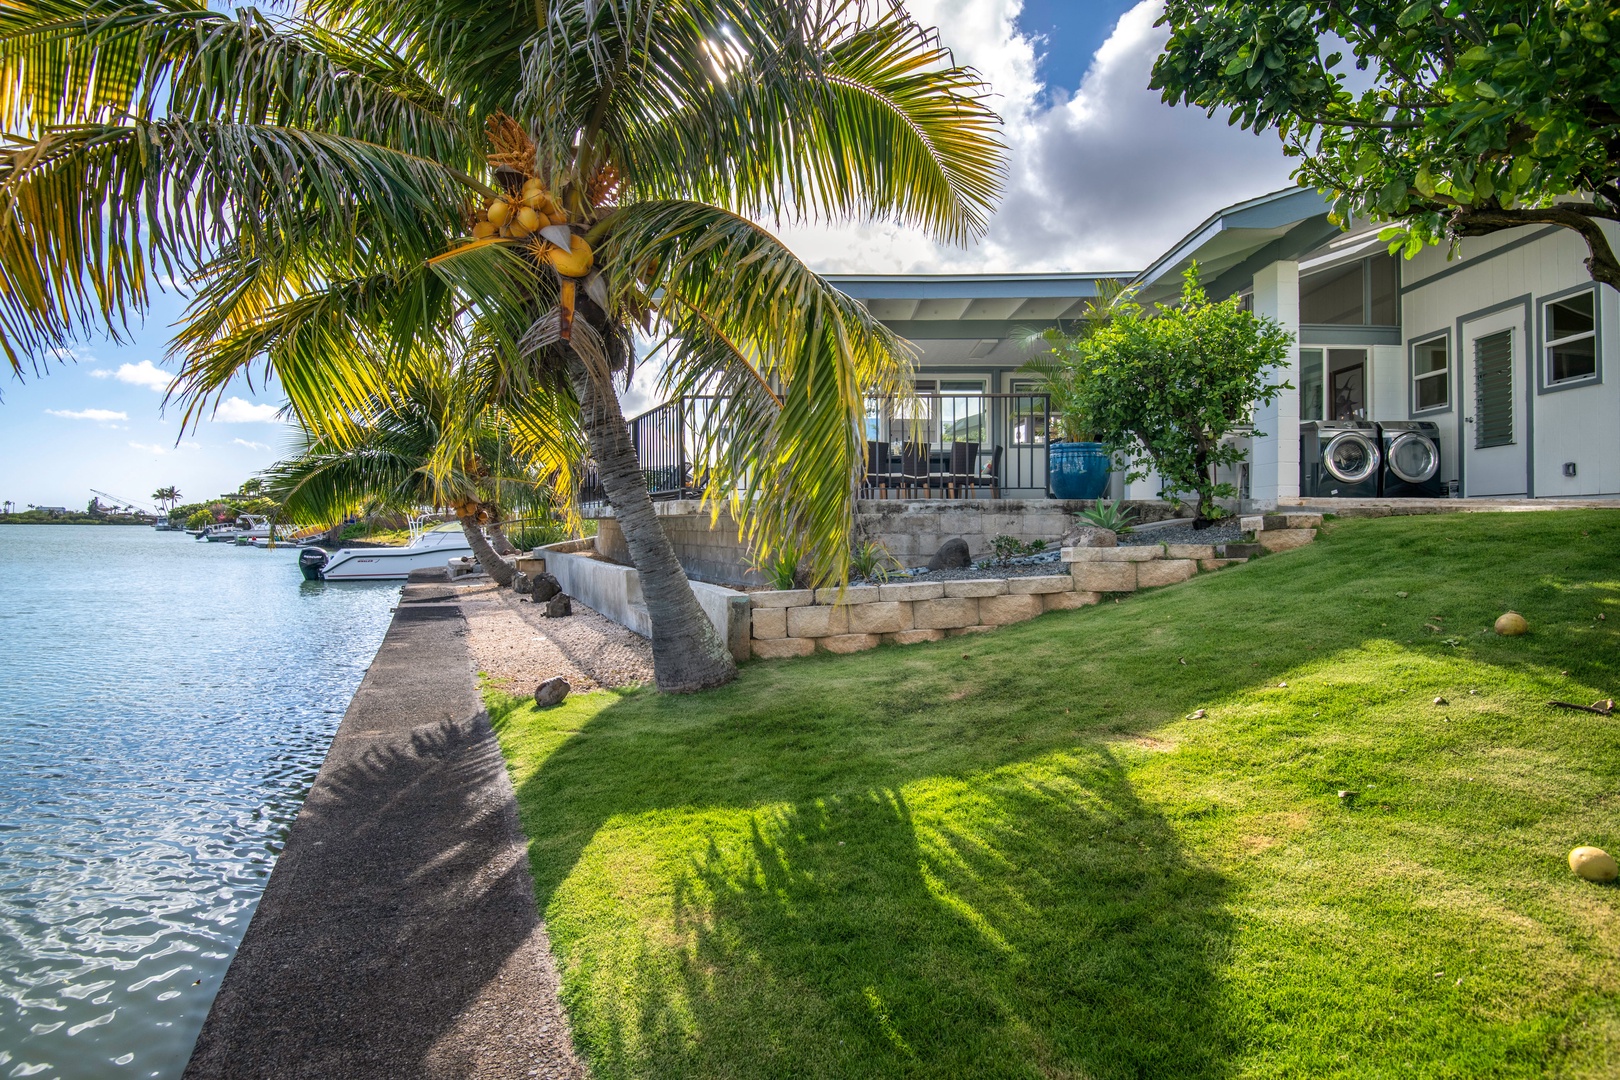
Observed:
{"x":514,"y":217}
{"x":529,"y":213}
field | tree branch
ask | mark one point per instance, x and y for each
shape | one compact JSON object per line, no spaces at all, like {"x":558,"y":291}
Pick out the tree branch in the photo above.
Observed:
{"x":1602,"y":263}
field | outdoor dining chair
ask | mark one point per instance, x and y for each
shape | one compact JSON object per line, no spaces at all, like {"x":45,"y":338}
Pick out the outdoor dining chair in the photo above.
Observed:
{"x":964,"y":466}
{"x":914,"y":468}
{"x":989,"y":476}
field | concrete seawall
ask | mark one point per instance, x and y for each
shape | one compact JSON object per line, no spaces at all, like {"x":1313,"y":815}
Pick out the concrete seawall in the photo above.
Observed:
{"x":398,"y":935}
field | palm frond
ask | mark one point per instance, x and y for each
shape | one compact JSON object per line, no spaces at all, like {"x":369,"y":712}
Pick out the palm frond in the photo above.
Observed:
{"x":781,"y":109}
{"x":787,"y":358}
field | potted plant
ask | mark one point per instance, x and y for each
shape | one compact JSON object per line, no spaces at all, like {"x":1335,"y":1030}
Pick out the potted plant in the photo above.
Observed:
{"x":1077,"y":463}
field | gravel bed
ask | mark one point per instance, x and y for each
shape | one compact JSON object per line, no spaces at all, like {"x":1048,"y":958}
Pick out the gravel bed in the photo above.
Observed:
{"x":1047,"y":562}
{"x":1225,"y":531}
{"x":518,"y":648}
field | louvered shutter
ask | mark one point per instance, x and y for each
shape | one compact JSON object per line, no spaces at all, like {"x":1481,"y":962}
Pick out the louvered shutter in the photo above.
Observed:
{"x":1493,"y":390}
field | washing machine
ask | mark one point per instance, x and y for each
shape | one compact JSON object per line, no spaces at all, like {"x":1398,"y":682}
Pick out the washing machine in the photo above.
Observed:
{"x":1339,"y":459}
{"x":1411,"y":451}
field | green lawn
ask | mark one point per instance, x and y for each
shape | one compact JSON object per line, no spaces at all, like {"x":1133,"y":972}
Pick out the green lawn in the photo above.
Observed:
{"x":1013,"y":855}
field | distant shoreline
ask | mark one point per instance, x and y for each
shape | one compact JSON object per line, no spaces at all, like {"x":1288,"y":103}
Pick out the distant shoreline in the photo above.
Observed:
{"x":70,"y":519}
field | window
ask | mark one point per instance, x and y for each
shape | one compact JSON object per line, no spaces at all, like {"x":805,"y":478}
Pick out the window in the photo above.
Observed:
{"x":1333,"y":297}
{"x":961,"y":411}
{"x":1493,"y":390}
{"x":1310,"y":384}
{"x":1028,"y":413}
{"x":1383,"y":291}
{"x":1431,"y":374}
{"x":1571,"y":336}
{"x":1362,"y":293}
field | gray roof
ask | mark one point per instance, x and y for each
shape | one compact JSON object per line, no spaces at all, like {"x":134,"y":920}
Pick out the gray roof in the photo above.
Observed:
{"x":919,"y":306}
{"x":1231,"y":244}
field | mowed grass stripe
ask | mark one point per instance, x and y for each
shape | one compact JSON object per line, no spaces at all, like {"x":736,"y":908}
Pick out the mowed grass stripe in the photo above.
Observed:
{"x":1012,"y":855}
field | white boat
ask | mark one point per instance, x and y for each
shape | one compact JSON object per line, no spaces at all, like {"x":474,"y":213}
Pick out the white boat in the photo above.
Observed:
{"x":431,"y":548}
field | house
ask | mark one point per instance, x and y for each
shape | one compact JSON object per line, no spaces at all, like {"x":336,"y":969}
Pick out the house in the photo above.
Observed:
{"x":1504,"y":348}
{"x":1506,"y":355}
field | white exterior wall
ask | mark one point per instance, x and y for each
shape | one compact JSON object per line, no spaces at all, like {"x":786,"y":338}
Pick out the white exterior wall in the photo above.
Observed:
{"x":1579,"y":423}
{"x":1274,"y":462}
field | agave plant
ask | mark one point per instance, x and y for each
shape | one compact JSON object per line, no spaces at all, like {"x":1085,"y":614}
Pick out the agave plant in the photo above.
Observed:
{"x":358,"y":181}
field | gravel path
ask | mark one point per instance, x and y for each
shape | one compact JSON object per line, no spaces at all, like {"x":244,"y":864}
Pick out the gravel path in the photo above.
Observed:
{"x":518,"y":648}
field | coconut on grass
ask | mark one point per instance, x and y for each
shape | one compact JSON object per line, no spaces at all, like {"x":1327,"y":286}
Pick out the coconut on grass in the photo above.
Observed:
{"x":1593,"y":864}
{"x":1511,"y":624}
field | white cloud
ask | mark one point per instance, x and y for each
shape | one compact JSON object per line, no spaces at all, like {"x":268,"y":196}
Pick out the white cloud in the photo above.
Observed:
{"x":250,"y":445}
{"x":100,"y":415}
{"x":1106,"y":179}
{"x":235,"y":410}
{"x":145,"y":374}
{"x":150,"y":448}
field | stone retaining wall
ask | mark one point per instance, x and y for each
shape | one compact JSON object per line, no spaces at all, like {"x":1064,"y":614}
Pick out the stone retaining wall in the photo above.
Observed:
{"x":799,"y":622}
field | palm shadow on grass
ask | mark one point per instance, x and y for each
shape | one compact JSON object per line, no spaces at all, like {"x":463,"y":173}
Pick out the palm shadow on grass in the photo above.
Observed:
{"x":904,"y":863}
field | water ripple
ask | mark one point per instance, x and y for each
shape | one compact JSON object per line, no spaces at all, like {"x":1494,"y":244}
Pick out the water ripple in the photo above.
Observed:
{"x":164,"y":706}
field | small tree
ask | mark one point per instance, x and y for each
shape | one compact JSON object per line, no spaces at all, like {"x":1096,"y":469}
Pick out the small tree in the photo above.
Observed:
{"x":1164,"y":389}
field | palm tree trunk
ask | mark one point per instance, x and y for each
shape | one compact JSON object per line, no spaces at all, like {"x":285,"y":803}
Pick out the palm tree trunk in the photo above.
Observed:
{"x":688,"y":653}
{"x":498,"y":540}
{"x":495,"y":566}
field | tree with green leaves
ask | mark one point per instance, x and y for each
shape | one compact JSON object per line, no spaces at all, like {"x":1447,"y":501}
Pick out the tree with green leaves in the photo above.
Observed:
{"x":1164,"y":389}
{"x":166,"y":497}
{"x":432,"y":440}
{"x":528,"y":184}
{"x":1479,"y":116}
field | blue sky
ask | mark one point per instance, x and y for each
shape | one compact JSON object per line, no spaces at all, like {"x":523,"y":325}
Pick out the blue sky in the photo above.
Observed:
{"x":1101,"y":176}
{"x":97,"y":422}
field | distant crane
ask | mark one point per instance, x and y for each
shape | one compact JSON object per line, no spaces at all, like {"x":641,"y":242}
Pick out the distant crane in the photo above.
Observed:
{"x":124,"y":502}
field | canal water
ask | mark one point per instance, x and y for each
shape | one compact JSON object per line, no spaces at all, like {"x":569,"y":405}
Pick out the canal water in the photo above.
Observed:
{"x":164,"y":706}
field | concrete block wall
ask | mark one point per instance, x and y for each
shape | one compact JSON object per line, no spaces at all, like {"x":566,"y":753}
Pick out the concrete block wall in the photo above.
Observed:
{"x":707,"y":552}
{"x":914,"y":529}
{"x":911,"y":529}
{"x":615,"y":591}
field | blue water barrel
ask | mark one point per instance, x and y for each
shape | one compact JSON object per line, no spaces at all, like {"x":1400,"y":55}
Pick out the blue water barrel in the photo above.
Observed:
{"x":1079,"y":470}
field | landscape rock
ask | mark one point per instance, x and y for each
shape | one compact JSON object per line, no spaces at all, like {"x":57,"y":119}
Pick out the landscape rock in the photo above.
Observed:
{"x":522,"y":583}
{"x":559,"y":606}
{"x":1089,"y":536}
{"x":544,"y":587}
{"x":551,"y":692}
{"x":953,"y":554}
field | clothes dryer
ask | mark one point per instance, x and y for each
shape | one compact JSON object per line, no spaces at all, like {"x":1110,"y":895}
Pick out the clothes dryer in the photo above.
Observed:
{"x":1339,"y":459}
{"x":1411,"y":453}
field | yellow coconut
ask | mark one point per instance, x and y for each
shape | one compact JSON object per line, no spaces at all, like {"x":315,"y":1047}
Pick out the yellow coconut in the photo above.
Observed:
{"x":530,"y":219}
{"x":1511,"y":624}
{"x":1593,"y":864}
{"x":576,"y":262}
{"x":533,"y":183}
{"x":517,"y":231}
{"x":499,"y":211}
{"x":485,"y":229}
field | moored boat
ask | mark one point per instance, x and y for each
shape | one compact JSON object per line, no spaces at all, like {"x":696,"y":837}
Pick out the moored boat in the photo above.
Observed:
{"x":433,"y":547}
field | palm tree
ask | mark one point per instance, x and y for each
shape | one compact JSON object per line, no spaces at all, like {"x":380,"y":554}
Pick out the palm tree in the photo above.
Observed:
{"x":371,"y":178}
{"x":433,"y":440}
{"x":166,"y":497}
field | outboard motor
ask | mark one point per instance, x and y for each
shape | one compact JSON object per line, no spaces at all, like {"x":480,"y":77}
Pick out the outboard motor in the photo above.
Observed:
{"x":310,"y":561}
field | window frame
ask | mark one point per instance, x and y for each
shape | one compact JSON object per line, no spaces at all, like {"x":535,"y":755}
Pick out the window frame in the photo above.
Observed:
{"x":1446,"y":375}
{"x":1545,"y":384}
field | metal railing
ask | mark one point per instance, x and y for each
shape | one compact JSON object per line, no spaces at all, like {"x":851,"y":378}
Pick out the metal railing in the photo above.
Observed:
{"x":936,"y":446}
